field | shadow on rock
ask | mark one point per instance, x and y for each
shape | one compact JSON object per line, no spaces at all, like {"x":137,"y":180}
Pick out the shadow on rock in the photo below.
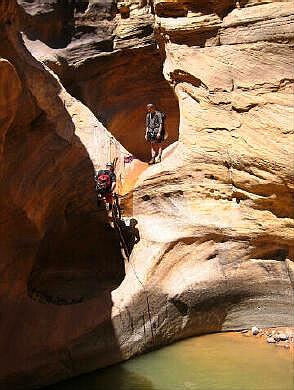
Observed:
{"x":129,"y":234}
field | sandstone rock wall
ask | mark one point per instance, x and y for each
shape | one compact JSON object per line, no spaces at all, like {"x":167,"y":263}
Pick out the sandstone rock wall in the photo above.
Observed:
{"x":114,"y":67}
{"x":52,"y":234}
{"x":215,"y":218}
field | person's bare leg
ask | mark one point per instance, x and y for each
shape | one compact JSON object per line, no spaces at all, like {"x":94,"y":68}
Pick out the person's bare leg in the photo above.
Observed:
{"x":156,"y":148}
{"x":153,"y":153}
{"x":159,"y":153}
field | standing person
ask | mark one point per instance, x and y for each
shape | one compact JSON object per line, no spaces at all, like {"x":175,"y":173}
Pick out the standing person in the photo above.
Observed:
{"x":105,"y":184}
{"x":154,"y":132}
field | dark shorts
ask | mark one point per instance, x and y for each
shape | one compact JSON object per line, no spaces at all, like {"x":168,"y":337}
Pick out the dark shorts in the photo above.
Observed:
{"x":152,"y":136}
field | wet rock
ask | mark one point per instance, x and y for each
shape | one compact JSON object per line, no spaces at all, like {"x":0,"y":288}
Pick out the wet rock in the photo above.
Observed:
{"x":271,"y":340}
{"x":276,"y":337}
{"x":255,"y":330}
{"x":283,"y":337}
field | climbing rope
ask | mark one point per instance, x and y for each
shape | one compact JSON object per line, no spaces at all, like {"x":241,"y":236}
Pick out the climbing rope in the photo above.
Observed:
{"x":126,"y":250}
{"x":111,"y":141}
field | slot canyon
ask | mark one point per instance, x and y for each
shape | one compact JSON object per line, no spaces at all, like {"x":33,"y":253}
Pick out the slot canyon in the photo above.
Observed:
{"x":214,"y":220}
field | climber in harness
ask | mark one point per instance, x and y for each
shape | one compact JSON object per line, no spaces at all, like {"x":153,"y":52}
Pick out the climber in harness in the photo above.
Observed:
{"x":105,"y":184}
{"x":155,"y":132}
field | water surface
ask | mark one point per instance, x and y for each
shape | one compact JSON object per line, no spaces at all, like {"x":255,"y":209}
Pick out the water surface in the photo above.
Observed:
{"x":212,"y":362}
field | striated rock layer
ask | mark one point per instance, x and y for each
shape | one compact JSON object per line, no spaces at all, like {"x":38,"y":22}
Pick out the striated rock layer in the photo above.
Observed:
{"x":216,"y":217}
{"x":56,"y":275}
{"x":112,"y":65}
{"x":214,"y":243}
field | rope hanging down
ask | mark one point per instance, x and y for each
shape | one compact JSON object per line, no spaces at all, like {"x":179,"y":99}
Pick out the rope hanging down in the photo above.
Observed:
{"x":126,"y":250}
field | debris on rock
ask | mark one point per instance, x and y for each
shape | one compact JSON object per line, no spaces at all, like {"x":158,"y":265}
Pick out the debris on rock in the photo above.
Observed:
{"x":255,"y":330}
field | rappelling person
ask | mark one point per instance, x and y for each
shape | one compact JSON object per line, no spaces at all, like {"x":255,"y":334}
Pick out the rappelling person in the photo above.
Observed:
{"x":105,"y":184}
{"x":155,"y":132}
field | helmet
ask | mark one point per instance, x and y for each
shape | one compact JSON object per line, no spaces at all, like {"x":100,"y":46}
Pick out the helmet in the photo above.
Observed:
{"x":109,"y":164}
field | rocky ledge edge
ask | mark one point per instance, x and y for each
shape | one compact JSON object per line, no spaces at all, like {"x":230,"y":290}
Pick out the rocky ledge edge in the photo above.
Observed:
{"x":280,"y":336}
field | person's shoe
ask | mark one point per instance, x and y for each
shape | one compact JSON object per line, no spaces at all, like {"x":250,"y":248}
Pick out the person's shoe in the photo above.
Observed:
{"x":152,"y":161}
{"x":158,"y":159}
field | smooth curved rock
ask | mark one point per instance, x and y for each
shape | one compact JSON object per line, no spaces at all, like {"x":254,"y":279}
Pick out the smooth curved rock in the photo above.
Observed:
{"x":114,"y":67}
{"x":214,"y":221}
{"x":10,"y":90}
{"x":55,"y":273}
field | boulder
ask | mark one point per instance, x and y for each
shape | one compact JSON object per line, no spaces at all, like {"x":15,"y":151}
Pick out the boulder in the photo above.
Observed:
{"x":255,"y":330}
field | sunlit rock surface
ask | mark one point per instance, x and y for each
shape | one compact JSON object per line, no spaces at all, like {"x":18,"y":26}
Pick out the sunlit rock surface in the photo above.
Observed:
{"x":216,"y":216}
{"x":214,"y":241}
{"x":113,"y":66}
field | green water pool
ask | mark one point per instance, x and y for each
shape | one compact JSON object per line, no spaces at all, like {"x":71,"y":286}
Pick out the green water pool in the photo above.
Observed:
{"x":212,"y":362}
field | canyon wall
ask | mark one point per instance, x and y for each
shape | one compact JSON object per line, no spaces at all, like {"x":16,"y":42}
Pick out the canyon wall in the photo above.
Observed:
{"x":112,"y":65}
{"x":213,"y":246}
{"x":56,"y":275}
{"x":216,"y":216}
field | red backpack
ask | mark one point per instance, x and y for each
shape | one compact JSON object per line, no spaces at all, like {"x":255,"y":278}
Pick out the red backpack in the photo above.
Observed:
{"x":103,"y":182}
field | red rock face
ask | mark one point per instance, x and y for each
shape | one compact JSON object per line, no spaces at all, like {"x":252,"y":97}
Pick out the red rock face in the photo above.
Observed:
{"x":50,"y":21}
{"x":56,"y":247}
{"x":113,"y":66}
{"x":119,"y":98}
{"x":213,"y":231}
